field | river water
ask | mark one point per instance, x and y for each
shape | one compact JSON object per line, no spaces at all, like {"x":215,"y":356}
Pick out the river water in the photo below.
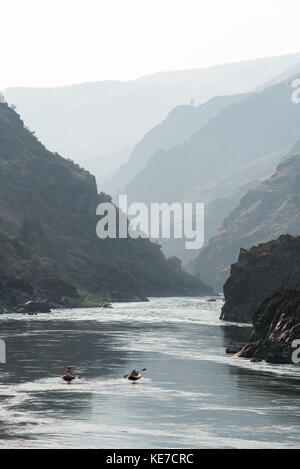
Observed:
{"x":192,"y":395}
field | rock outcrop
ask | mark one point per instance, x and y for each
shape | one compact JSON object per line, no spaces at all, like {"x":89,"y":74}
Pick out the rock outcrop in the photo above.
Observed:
{"x":276,"y":334}
{"x":260,"y":273}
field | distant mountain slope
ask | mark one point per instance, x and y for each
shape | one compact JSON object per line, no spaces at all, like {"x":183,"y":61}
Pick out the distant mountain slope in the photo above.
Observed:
{"x":224,"y":194}
{"x":241,"y":134}
{"x":236,"y":181}
{"x":92,"y":120}
{"x":180,"y":124}
{"x":221,"y":197}
{"x":263,"y":214}
{"x":48,"y":205}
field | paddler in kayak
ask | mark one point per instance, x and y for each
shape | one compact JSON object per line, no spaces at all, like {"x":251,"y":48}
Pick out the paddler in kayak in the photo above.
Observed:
{"x":69,"y":371}
{"x":134,"y":375}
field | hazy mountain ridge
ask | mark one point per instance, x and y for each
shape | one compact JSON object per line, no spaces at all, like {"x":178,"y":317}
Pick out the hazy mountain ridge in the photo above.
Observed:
{"x":242,"y":133}
{"x":84,"y":120}
{"x":180,"y":124}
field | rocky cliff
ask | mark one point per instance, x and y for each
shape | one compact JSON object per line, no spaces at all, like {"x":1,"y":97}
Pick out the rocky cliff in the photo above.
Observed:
{"x":267,"y":212}
{"x":276,"y":327}
{"x":48,"y":207}
{"x":260,"y":273}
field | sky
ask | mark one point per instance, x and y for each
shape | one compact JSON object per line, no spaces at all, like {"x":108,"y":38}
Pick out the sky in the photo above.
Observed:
{"x":62,"y":42}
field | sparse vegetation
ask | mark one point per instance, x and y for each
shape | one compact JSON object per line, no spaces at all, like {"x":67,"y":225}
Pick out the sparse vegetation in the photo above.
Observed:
{"x":85,"y":300}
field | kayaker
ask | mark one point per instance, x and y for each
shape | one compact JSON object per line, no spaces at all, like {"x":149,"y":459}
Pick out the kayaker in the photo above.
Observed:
{"x":134,"y":373}
{"x":69,"y":371}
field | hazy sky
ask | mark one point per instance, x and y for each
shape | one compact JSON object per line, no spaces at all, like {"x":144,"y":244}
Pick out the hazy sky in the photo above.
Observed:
{"x":56,"y":42}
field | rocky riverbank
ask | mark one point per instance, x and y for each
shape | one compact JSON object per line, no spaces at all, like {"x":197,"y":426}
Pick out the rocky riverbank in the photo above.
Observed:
{"x":276,"y":328}
{"x":21,"y":296}
{"x":41,"y":295}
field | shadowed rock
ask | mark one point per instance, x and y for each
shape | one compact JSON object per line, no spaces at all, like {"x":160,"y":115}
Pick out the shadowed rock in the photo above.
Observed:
{"x":276,"y":327}
{"x":260,"y":273}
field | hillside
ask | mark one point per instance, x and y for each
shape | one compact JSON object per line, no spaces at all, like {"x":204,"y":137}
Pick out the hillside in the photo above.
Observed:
{"x":48,"y":204}
{"x":263,"y":214}
{"x":83,"y":120}
{"x":25,"y":275}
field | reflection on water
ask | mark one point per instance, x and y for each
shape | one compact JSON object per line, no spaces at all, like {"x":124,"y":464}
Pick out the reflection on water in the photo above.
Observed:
{"x":192,"y":394}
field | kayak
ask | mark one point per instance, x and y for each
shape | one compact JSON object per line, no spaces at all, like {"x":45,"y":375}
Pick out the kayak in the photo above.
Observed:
{"x":68,"y":378}
{"x":134,"y":378}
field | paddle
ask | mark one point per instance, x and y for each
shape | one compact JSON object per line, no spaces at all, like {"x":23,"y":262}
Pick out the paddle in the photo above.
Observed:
{"x":126,"y":376}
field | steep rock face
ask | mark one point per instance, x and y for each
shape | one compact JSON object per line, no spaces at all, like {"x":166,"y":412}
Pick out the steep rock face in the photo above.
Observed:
{"x":276,"y":327}
{"x":263,"y":214}
{"x":260,"y":273}
{"x":48,"y":204}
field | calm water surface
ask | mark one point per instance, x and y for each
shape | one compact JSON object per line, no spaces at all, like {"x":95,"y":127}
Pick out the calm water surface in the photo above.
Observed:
{"x":192,"y":394}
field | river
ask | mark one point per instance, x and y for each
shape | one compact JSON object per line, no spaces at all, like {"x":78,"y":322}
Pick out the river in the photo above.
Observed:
{"x":192,"y":395}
